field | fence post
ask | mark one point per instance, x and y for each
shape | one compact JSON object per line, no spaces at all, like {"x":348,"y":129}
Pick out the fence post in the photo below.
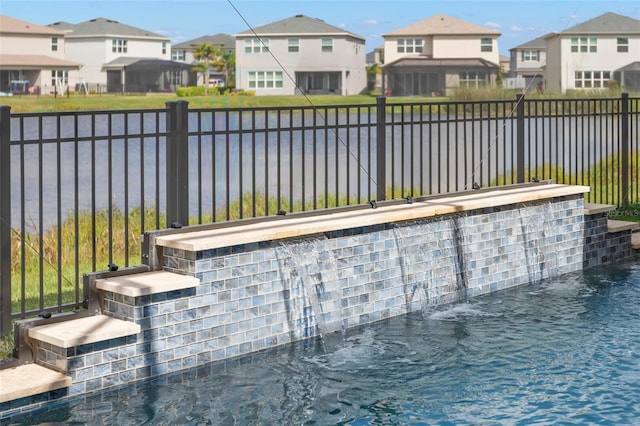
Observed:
{"x":177,"y":152}
{"x":624,"y":155}
{"x":520,"y":138}
{"x":5,"y":219}
{"x":381,"y":147}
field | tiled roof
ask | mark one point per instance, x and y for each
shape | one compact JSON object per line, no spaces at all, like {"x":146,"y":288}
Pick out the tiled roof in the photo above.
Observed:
{"x":225,"y":40}
{"x":16,"y":26}
{"x":442,"y":25}
{"x":608,"y":23}
{"x":298,"y":25}
{"x":35,"y":61}
{"x":105,"y":27}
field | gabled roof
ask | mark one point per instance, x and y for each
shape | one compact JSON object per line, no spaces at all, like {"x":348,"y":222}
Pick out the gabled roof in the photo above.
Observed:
{"x":16,"y":26}
{"x":106,"y":28}
{"x":537,"y":43}
{"x":300,"y":25}
{"x":608,"y":23}
{"x":442,"y":25}
{"x":225,"y":40}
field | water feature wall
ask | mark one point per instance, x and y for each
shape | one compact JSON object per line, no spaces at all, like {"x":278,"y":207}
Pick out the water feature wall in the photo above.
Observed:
{"x":268,"y":283}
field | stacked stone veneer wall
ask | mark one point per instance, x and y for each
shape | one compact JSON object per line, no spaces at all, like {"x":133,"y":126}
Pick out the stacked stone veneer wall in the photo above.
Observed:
{"x":255,"y":296}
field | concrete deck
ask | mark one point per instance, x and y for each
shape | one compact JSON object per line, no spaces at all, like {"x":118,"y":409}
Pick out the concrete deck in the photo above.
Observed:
{"x":290,"y":227}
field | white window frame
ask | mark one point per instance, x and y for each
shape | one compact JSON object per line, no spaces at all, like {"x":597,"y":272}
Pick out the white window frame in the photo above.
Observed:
{"x":486,"y":44}
{"x":327,"y":45}
{"x":530,"y":55}
{"x":584,"y":44}
{"x":409,"y":45}
{"x":623,"y":44}
{"x":178,"y":55}
{"x":164,"y":47}
{"x":54,"y":44}
{"x":119,"y":45}
{"x":293,"y":45}
{"x":264,"y":80}
{"x":472,"y":79}
{"x":63,"y":75}
{"x":256,"y":45}
{"x":591,"y":79}
{"x":175,"y":77}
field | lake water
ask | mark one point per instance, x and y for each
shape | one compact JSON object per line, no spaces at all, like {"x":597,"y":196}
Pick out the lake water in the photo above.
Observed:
{"x":563,"y":351}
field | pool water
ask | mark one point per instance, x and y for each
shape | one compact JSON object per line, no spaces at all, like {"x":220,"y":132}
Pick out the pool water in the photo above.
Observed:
{"x":565,"y":350}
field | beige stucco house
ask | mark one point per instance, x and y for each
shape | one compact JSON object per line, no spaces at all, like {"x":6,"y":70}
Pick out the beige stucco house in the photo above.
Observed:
{"x":439,"y":54}
{"x":527,"y":63}
{"x":300,"y":55}
{"x":34,"y":54}
{"x":590,"y":55}
{"x":120,"y":58}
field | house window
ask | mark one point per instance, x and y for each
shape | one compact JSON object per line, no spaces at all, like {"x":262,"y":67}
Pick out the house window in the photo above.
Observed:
{"x":623,"y":44}
{"x":294,"y":45}
{"x":584,"y":44}
{"x":592,"y":79}
{"x":486,"y":44}
{"x":59,"y":77}
{"x":256,"y":45}
{"x":54,"y":44}
{"x":177,"y":55}
{"x":530,"y":55}
{"x":327,"y":45}
{"x":119,"y":46}
{"x":175,"y":78}
{"x":265,"y":79}
{"x":409,"y":45}
{"x":472,"y":78}
{"x":164,"y":47}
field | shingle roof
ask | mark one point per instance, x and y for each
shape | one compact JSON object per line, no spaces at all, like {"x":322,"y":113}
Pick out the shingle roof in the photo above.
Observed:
{"x":298,"y":25}
{"x":37,"y":61}
{"x":225,"y":40}
{"x":16,"y":26}
{"x":537,"y":43}
{"x":442,"y":25}
{"x":608,"y":23}
{"x":106,"y":27}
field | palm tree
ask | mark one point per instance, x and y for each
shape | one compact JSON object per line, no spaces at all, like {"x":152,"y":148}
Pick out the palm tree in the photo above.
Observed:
{"x":226,"y":63}
{"x":206,"y":53}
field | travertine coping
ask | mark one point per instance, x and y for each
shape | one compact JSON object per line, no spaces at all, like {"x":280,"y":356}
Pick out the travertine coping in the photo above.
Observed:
{"x":591,"y":208}
{"x":147,"y":283}
{"x":620,"y":225}
{"x":30,"y":379}
{"x":290,"y":226}
{"x":81,"y":331}
{"x":635,"y":241}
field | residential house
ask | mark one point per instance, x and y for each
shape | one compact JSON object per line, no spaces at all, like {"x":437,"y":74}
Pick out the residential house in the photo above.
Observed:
{"x":439,"y":54}
{"x":527,"y":63}
{"x":183,"y":52}
{"x":32,"y":58}
{"x":375,"y":57}
{"x":300,"y":55}
{"x":121,"y":58}
{"x":592,"y":54}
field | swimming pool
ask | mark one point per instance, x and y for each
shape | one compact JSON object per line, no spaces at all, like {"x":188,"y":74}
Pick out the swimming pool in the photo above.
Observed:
{"x":561,"y":351}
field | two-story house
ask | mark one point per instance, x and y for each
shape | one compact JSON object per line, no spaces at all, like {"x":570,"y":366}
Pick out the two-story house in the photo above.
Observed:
{"x":437,"y":55}
{"x":300,"y":55}
{"x":592,"y":54}
{"x":121,"y":58}
{"x":527,"y":62}
{"x":183,"y":52}
{"x":32,"y":59}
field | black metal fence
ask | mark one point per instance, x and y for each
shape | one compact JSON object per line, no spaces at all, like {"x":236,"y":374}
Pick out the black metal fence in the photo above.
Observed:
{"x":77,"y":189}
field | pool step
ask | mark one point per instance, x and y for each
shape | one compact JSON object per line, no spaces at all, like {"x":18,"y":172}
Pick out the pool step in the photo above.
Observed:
{"x":635,"y":241}
{"x":147,"y":283}
{"x":81,"y":331}
{"x":28,"y":380}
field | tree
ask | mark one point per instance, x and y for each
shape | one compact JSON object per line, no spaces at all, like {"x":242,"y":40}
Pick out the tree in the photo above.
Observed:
{"x":206,"y":54}
{"x":226,"y":63}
